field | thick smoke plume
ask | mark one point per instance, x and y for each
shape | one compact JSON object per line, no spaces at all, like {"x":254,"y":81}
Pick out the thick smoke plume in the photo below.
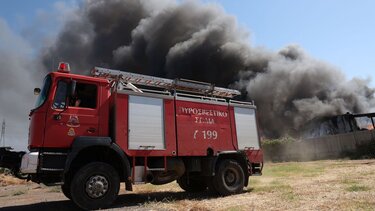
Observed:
{"x":17,"y":77}
{"x":295,"y":88}
{"x":201,"y":42}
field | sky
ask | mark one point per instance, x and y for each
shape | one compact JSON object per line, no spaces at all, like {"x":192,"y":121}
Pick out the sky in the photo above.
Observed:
{"x":339,"y":32}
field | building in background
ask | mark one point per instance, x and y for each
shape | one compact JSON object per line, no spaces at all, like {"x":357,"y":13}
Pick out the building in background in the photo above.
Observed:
{"x":340,"y":124}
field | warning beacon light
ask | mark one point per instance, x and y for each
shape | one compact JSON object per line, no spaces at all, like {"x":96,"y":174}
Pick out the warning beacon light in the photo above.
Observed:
{"x":63,"y":67}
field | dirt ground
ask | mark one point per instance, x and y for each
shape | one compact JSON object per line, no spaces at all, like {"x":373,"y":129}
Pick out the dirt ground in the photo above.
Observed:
{"x":319,"y":185}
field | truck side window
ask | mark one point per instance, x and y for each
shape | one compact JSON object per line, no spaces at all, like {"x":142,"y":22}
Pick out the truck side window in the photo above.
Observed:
{"x":60,"y":96}
{"x":85,"y":96}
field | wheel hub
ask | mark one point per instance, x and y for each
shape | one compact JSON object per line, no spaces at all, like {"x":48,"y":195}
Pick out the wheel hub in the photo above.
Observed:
{"x":96,"y":186}
{"x":230,"y":177}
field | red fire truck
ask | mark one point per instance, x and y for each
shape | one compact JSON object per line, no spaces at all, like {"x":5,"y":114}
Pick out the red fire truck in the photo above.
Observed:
{"x":90,"y":133}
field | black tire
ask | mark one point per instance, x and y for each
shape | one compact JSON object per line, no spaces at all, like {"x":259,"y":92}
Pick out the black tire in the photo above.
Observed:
{"x":211,"y":186}
{"x":192,"y":184}
{"x":229,"y":178}
{"x":95,"y":185}
{"x":65,"y":189}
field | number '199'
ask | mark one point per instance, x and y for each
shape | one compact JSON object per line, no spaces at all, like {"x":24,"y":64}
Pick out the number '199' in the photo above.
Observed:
{"x":206,"y":134}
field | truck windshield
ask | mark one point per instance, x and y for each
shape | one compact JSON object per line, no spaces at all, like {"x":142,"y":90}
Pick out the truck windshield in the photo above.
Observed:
{"x":44,"y":93}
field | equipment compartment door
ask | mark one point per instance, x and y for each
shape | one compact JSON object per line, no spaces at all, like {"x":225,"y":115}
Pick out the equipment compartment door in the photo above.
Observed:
{"x":246,"y":128}
{"x":146,"y":123}
{"x":202,"y":127}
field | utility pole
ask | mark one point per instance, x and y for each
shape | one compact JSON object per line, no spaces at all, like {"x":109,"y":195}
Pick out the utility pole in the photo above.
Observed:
{"x":3,"y":133}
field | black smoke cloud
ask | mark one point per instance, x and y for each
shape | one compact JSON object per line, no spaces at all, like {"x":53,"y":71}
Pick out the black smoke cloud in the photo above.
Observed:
{"x":187,"y":40}
{"x":295,"y":88}
{"x":201,"y":42}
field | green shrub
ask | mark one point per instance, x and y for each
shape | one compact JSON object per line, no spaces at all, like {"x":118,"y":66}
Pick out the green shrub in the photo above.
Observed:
{"x":278,"y":142}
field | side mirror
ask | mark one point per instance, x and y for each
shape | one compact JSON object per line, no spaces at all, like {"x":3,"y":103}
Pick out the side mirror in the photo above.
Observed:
{"x":37,"y":91}
{"x":72,"y":88}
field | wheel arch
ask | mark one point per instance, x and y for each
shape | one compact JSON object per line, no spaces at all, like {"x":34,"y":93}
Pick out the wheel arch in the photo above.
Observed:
{"x":90,"y":149}
{"x":237,"y":156}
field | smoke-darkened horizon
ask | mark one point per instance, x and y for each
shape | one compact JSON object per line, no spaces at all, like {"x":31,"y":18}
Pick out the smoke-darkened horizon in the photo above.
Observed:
{"x":202,"y":42}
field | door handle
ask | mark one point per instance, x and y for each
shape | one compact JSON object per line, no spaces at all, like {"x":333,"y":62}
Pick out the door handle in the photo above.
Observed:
{"x":91,"y":130}
{"x":147,"y":147}
{"x":57,"y":117}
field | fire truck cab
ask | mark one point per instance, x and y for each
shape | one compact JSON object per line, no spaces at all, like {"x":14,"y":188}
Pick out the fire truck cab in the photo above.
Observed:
{"x":90,"y":133}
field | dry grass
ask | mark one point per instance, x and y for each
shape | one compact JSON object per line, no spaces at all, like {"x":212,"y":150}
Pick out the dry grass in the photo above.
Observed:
{"x":320,"y":185}
{"x":6,"y":180}
{"x":18,"y":192}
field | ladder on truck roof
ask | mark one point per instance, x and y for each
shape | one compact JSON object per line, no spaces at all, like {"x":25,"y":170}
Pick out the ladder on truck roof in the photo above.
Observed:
{"x":164,"y":83}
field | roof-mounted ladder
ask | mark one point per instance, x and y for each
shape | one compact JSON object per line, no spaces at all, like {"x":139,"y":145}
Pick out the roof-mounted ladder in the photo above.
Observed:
{"x":164,"y":83}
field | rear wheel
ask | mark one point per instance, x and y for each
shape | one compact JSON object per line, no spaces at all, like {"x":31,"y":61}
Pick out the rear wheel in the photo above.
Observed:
{"x":229,"y":178}
{"x":95,"y":185}
{"x":211,"y":185}
{"x":192,"y":184}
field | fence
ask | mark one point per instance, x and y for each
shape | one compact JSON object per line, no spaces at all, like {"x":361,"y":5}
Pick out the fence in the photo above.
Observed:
{"x":326,"y":147}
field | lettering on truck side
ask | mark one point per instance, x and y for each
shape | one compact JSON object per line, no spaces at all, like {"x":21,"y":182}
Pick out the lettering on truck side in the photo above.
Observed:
{"x":204,"y":116}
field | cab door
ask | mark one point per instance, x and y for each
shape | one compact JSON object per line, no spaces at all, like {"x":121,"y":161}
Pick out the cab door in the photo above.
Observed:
{"x":73,"y":116}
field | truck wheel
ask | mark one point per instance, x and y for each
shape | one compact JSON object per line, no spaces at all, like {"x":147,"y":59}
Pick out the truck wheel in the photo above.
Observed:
{"x":192,"y":185}
{"x":65,"y":189}
{"x":211,"y":186}
{"x":95,"y":185}
{"x":229,"y":178}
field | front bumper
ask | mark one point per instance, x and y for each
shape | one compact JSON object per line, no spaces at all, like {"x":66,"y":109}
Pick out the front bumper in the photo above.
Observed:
{"x":29,"y":163}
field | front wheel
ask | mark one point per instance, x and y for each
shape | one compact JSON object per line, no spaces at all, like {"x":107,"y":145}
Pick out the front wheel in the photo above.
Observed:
{"x":229,"y":178}
{"x":95,"y":185}
{"x":65,"y":189}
